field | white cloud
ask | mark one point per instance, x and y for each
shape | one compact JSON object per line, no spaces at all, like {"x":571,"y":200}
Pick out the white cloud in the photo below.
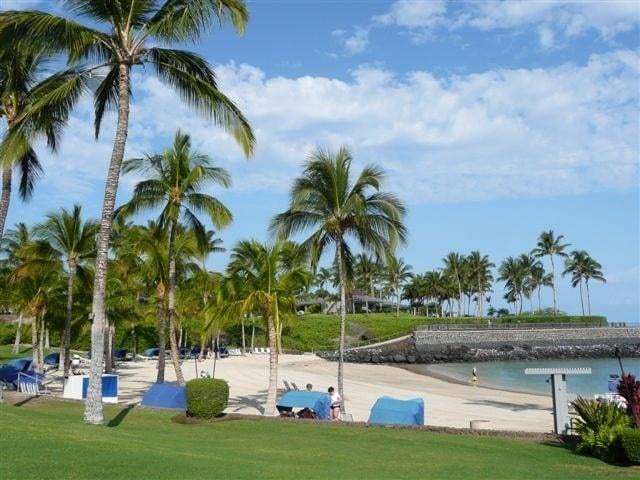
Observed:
{"x":498,"y":134}
{"x":568,"y":18}
{"x":414,"y":14}
{"x":551,"y":19}
{"x":358,"y":41}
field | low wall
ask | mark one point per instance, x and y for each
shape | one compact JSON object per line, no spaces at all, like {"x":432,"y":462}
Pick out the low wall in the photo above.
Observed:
{"x":473,"y":346}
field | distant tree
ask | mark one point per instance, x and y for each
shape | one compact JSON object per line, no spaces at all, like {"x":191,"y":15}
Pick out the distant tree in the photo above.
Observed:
{"x":550,"y":245}
{"x":397,"y":273}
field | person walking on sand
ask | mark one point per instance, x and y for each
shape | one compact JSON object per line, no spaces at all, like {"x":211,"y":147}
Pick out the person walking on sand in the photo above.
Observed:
{"x":336,"y":400}
{"x":474,"y":377}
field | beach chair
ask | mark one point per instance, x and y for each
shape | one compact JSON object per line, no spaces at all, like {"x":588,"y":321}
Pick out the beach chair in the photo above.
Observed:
{"x":295,"y":387}
{"x":32,"y":383}
{"x":267,"y":350}
{"x":287,"y":387}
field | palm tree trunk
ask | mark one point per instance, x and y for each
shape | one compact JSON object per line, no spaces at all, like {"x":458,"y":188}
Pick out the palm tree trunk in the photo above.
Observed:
{"x":244,"y":344}
{"x":161,"y":341}
{"x":39,"y":356}
{"x":272,"y":391}
{"x":581,"y":298}
{"x":93,"y":412}
{"x":16,"y":343}
{"x":65,"y":359}
{"x":34,"y":338}
{"x":397,"y":302}
{"x":253,"y":334}
{"x":5,"y":197}
{"x":588,"y":298}
{"x":343,"y":320}
{"x":553,"y":286}
{"x":175,"y":358}
{"x":47,"y":339}
{"x":539,"y":301}
{"x":108,"y":348}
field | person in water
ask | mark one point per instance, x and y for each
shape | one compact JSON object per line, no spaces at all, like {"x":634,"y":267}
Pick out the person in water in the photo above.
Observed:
{"x":474,"y":377}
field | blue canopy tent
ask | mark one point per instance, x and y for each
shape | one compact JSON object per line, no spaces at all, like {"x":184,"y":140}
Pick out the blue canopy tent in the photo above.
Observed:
{"x":165,"y":395}
{"x":319,"y":402}
{"x":392,"y":411}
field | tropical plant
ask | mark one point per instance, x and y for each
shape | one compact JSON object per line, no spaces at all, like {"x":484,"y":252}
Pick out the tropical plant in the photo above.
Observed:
{"x":550,"y":245}
{"x":599,"y":425}
{"x":365,"y":271}
{"x":326,"y":200}
{"x":19,"y":72}
{"x":72,"y":243}
{"x":480,"y":277}
{"x":132,"y":34}
{"x":175,"y":181}
{"x":268,"y":277}
{"x":453,"y":267}
{"x":629,"y":389}
{"x":540,"y":278}
{"x":396,"y":274}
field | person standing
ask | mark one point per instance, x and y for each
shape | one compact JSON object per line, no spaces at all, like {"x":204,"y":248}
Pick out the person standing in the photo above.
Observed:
{"x":336,"y":401}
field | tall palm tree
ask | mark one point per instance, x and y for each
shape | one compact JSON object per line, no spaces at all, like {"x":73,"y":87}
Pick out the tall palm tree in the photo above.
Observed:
{"x":592,"y":271}
{"x":365,"y":270}
{"x":540,"y":278}
{"x":270,"y":277}
{"x":550,"y":245}
{"x":397,"y":273}
{"x":19,"y":72}
{"x":338,"y":209}
{"x":73,"y":242}
{"x":208,"y":245}
{"x":176,"y":179}
{"x":131,"y":36}
{"x":480,"y":276}
{"x":453,"y":265}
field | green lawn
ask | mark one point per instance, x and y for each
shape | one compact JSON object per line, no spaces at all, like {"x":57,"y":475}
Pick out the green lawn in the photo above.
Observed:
{"x":6,"y":353}
{"x":46,"y":439}
{"x":319,"y":331}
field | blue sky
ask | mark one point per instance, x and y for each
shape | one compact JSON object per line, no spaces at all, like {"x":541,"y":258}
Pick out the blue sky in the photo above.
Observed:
{"x":495,"y":120}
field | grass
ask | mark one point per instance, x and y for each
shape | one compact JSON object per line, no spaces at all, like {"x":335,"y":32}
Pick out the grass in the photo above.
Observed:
{"x":320,"y":331}
{"x":6,"y":353}
{"x":47,"y":439}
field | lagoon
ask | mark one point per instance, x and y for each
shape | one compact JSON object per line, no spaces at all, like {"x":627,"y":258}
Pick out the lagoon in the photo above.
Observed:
{"x":509,"y":375}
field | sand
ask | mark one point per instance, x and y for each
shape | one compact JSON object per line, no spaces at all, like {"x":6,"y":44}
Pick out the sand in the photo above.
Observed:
{"x":446,"y":404}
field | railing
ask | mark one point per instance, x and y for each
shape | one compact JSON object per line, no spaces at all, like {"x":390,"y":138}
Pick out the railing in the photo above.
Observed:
{"x":516,"y":326}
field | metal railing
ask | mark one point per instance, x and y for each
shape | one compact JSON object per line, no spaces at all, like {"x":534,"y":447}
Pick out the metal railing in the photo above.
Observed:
{"x":516,"y":326}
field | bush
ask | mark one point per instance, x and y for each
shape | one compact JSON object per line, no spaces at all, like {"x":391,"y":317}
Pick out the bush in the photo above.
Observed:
{"x":630,"y":439}
{"x":600,"y":425}
{"x":207,"y":397}
{"x":629,"y":389}
{"x":7,"y":333}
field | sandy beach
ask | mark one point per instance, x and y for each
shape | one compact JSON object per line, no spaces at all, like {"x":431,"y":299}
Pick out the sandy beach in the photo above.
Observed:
{"x":446,"y":404}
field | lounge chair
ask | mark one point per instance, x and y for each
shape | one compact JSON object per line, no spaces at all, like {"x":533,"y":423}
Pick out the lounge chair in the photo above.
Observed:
{"x":32,"y":383}
{"x":286,"y":385}
{"x":295,"y":387}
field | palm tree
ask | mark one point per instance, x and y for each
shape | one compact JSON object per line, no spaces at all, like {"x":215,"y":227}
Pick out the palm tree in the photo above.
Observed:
{"x":365,"y":270}
{"x":270,"y":276}
{"x":131,"y":37}
{"x":18,"y":88}
{"x":592,"y":270}
{"x":550,"y":245}
{"x":326,"y":199}
{"x":453,"y":266}
{"x":176,"y":179}
{"x":73,"y":242}
{"x":208,"y":245}
{"x":539,"y":279}
{"x":583,"y":268}
{"x":480,"y":276}
{"x":13,"y":244}
{"x":397,"y":273}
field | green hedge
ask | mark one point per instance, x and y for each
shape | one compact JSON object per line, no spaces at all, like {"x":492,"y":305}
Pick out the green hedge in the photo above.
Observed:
{"x":631,"y":444}
{"x":207,"y":397}
{"x":8,"y":333}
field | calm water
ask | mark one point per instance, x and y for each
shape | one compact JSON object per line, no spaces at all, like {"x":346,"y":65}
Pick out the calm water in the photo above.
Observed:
{"x":510,"y":374}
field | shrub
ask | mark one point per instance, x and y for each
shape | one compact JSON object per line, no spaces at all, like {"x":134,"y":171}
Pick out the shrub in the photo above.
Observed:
{"x":207,"y":397}
{"x":630,"y":439}
{"x":599,"y":427}
{"x":7,"y":333}
{"x":629,"y":389}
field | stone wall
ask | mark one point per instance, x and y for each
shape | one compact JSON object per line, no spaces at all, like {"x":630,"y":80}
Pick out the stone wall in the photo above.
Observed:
{"x":474,"y":346}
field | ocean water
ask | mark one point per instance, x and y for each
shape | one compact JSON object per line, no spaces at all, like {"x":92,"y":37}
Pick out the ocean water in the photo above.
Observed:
{"x":510,"y":374}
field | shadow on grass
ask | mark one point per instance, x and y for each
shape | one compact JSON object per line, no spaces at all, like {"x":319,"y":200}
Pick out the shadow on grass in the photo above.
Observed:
{"x":23,"y":402}
{"x":117,"y":420}
{"x":570,"y":444}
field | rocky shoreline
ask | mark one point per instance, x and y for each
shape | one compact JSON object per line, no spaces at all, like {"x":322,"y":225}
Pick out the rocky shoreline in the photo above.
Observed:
{"x":428,"y":350}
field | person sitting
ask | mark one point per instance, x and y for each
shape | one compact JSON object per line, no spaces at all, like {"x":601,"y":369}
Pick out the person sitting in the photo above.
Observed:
{"x":336,"y":401}
{"x":75,"y":365}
